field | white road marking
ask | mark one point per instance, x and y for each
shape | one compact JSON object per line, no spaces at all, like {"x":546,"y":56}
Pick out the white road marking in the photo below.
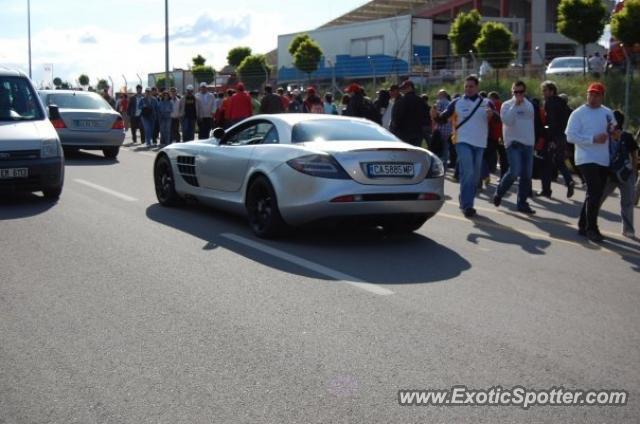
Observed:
{"x":106,"y":190}
{"x":320,"y":269}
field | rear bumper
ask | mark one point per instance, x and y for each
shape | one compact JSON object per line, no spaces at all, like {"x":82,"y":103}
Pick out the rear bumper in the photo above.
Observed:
{"x":43,"y":174}
{"x":91,"y":140}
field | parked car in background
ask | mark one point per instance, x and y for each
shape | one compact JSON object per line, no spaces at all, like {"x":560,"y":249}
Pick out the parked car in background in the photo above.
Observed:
{"x":566,"y":66}
{"x":86,"y":121}
{"x":293,"y":169}
{"x":31,"y":156}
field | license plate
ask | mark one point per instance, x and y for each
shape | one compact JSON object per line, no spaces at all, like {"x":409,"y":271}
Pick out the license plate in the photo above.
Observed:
{"x":7,"y":173}
{"x":390,"y":170}
{"x":87,"y":124}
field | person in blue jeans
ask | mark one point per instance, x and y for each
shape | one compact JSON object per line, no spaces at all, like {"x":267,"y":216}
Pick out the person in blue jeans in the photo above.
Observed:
{"x":470,"y":115}
{"x":165,"y":107}
{"x":149,"y":107}
{"x":518,"y":133}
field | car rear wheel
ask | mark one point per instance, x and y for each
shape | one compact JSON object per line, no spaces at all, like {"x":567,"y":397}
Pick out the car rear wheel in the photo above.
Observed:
{"x":405,"y":225}
{"x":111,"y":152}
{"x":52,"y":193}
{"x":262,"y":209}
{"x":165,"y":184}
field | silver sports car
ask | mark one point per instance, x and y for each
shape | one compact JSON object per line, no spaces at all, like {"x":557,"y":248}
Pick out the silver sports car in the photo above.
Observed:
{"x":292,"y":169}
{"x":86,"y":121}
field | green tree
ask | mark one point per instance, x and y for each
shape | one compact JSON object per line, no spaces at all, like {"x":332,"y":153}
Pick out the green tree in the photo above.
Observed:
{"x":203,"y":73}
{"x":625,"y":25}
{"x":495,"y":45}
{"x":198,"y":60}
{"x":464,"y":32}
{"x":254,"y":71}
{"x":83,"y":79}
{"x":102,"y":84}
{"x":582,"y":21}
{"x":161,"y":82}
{"x":237,"y":55}
{"x":295,"y":43}
{"x":57,"y":82}
{"x":307,"y":57}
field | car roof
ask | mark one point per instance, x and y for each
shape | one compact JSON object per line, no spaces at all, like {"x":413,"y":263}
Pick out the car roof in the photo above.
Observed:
{"x":567,"y":57}
{"x":7,"y":72}
{"x":294,"y":118}
{"x":65,"y":92}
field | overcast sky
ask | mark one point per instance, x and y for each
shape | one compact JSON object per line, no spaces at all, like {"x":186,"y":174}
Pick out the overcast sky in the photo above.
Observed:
{"x":115,"y":37}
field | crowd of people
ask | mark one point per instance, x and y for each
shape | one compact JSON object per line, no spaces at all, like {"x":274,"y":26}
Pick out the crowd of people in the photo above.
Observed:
{"x":474,"y":133}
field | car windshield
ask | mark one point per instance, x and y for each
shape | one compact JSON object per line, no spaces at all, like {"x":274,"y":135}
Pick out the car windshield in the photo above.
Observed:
{"x":567,"y":63}
{"x":338,"y":130}
{"x":18,"y":101}
{"x":77,"y":100}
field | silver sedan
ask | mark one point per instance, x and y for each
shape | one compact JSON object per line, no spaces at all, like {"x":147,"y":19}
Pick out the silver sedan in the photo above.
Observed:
{"x":86,"y":121}
{"x":293,"y":169}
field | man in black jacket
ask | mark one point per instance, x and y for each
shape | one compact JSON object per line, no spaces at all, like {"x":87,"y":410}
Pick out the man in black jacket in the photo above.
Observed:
{"x":271,"y":103}
{"x":557,"y":114}
{"x":134,"y":114}
{"x":410,"y":116}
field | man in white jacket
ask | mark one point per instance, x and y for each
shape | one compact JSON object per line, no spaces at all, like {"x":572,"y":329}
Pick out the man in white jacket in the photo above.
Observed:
{"x":588,"y":128}
{"x":518,"y":133}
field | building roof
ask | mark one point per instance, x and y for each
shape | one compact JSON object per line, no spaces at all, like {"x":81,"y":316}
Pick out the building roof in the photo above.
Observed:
{"x":380,"y":9}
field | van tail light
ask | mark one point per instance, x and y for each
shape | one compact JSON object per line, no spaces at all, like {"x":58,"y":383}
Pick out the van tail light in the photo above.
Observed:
{"x":58,"y":124}
{"x":118,"y":125}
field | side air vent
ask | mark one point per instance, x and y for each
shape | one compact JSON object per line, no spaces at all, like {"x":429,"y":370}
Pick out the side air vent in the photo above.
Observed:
{"x":187,"y":169}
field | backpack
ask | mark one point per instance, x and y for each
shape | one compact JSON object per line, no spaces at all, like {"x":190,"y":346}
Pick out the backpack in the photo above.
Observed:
{"x":620,"y":165}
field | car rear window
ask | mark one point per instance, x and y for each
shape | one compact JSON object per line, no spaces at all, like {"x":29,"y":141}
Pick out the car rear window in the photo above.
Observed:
{"x":339,"y":130}
{"x":18,"y":100}
{"x":77,"y":101}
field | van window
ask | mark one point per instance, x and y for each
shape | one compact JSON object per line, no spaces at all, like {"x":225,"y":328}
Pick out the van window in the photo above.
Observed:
{"x":18,"y":101}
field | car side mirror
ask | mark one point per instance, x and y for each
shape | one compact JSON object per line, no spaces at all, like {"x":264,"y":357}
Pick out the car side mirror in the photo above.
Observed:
{"x":54,"y":112}
{"x":219,"y":133}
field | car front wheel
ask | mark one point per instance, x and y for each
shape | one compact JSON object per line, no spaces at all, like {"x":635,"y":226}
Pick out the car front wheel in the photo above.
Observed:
{"x":262,"y":209}
{"x":165,"y":183}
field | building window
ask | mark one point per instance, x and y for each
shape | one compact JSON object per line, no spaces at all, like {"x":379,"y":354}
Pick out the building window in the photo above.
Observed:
{"x":367,"y":46}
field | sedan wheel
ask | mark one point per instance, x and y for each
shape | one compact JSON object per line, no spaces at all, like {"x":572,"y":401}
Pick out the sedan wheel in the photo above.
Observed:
{"x":164,"y":183}
{"x":111,"y":152}
{"x":406,"y":225}
{"x":262,"y":209}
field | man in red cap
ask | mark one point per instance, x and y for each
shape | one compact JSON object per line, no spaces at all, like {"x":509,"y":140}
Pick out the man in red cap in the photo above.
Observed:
{"x":588,"y":128}
{"x":360,"y":106}
{"x":240,"y":106}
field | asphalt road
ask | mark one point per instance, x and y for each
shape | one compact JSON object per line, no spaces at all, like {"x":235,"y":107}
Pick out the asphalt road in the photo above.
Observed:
{"x":114,"y":309}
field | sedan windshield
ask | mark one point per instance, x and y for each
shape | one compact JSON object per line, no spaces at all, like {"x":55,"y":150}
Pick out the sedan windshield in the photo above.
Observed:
{"x":77,"y":101}
{"x":338,"y":130}
{"x":567,"y":63}
{"x":18,"y":101}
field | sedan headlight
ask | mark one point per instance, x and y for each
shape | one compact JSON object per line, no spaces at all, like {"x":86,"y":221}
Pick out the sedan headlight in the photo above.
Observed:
{"x":324,"y":166}
{"x":49,"y":149}
{"x":437,"y":168}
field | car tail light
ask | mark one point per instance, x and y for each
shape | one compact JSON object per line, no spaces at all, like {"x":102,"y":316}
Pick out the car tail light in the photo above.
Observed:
{"x":58,"y":124}
{"x":118,"y":125}
{"x":347,"y":199}
{"x":428,"y":196}
{"x":323,"y":166}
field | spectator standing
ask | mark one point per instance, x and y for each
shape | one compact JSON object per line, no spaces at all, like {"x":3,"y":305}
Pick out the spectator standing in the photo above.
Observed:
{"x":394,"y":95}
{"x":597,"y":65}
{"x":313,"y":103}
{"x":148,"y":106}
{"x":296,"y":104}
{"x":175,"y":115}
{"x":329,"y":107}
{"x":240,"y":106}
{"x":271,"y":103}
{"x":255,"y":103}
{"x":471,"y":114}
{"x":518,"y":116}
{"x":442,"y":131}
{"x":134,"y":113}
{"x":189,"y":107}
{"x":382,"y":103}
{"x":107,"y":97}
{"x":165,"y":109}
{"x":588,"y":128}
{"x":410,"y":116}
{"x":344,"y":104}
{"x":205,"y":113}
{"x":156,"y":124}
{"x":122,"y":106}
{"x":285,"y":100}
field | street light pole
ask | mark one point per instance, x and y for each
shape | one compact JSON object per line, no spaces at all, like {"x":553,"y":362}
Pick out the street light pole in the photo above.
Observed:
{"x":375,"y":85}
{"x":415,"y":55}
{"x":29,"y":30}
{"x":166,"y":44}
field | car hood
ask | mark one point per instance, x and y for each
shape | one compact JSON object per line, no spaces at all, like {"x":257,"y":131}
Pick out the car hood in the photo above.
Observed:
{"x":27,"y":135}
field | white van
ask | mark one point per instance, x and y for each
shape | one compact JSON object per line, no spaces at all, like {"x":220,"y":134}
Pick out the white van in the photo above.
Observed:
{"x":31,"y":157}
